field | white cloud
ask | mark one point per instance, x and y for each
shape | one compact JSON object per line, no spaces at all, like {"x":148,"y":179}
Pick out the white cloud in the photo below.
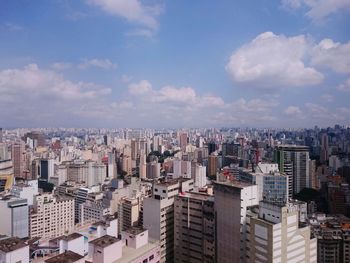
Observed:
{"x":293,"y":111}
{"x":333,"y":55}
{"x":319,"y":9}
{"x":61,"y":66}
{"x":344,"y":86}
{"x":273,"y":61}
{"x":99,"y":63}
{"x":327,"y":97}
{"x":144,"y":86}
{"x":132,"y":10}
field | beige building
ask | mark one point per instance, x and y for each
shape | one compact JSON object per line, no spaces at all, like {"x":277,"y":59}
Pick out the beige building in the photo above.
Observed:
{"x":274,"y":235}
{"x":194,"y":228}
{"x":51,"y":216}
{"x":231,"y":202}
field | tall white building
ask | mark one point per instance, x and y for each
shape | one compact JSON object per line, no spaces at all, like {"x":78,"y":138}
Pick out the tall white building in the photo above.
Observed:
{"x":275,"y":236}
{"x":51,"y":216}
{"x":199,"y":175}
{"x":14,"y":217}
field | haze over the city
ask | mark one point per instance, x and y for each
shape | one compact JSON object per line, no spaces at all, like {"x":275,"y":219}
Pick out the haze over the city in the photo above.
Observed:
{"x":161,"y":63}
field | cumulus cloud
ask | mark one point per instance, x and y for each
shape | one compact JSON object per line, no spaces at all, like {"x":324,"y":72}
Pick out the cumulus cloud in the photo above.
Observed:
{"x":99,"y":63}
{"x":318,"y":9}
{"x":132,"y":10}
{"x":61,"y":66}
{"x":38,"y":92}
{"x":293,"y":111}
{"x":273,"y":61}
{"x":333,"y":55}
{"x":344,"y":86}
{"x":142,"y":87}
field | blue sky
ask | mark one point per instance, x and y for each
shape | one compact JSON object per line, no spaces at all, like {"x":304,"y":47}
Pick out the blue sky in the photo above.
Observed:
{"x":162,"y":63}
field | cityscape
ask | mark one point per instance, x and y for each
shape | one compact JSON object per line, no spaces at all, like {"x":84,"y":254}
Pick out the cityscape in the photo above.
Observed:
{"x":157,"y":131}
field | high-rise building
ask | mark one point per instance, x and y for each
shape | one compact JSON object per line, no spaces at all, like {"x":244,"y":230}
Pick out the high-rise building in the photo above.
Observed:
{"x":275,"y":235}
{"x":324,"y":154}
{"x":51,"y":216}
{"x":158,"y":214}
{"x":199,"y":175}
{"x":194,"y":228}
{"x":212,"y":165}
{"x":183,"y":140}
{"x":14,"y":217}
{"x":0,"y":135}
{"x":293,"y":160}
{"x":153,"y":170}
{"x":231,"y":202}
{"x":17,"y":154}
{"x":211,"y":147}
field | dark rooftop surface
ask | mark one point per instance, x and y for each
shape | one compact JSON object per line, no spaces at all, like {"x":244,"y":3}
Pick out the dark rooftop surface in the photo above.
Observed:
{"x":104,"y":241}
{"x":66,"y":257}
{"x":11,"y":244}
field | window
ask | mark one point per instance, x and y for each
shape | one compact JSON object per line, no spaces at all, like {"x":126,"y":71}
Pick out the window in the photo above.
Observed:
{"x":151,"y":257}
{"x":145,"y":260}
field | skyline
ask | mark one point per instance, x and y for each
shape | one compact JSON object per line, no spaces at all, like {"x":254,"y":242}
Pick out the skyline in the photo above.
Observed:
{"x":155,"y":64}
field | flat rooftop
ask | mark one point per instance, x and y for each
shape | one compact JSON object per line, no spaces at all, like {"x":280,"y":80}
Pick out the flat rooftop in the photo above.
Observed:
{"x":130,"y":254}
{"x":104,"y":241}
{"x":11,"y":244}
{"x":135,"y":230}
{"x":197,"y":195}
{"x":65,"y":257}
{"x":235,"y":184}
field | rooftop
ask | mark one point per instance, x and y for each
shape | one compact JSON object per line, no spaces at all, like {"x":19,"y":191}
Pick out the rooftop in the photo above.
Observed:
{"x":11,"y":244}
{"x":65,"y":257}
{"x":236,"y":184}
{"x":130,"y":254}
{"x":135,"y":230}
{"x":104,"y":241}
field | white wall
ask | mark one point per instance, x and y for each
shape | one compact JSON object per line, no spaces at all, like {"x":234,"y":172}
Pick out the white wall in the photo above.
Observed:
{"x":21,"y":254}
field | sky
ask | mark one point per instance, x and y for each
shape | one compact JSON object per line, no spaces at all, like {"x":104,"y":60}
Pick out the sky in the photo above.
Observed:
{"x":174,"y":64}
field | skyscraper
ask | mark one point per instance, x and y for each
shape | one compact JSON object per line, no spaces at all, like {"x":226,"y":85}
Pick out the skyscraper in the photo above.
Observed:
{"x":231,"y":202}
{"x":17,"y":154}
{"x":293,"y":160}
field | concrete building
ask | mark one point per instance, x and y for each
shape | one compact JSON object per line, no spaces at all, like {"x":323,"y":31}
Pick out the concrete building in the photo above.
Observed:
{"x":14,"y":250}
{"x":105,"y":249}
{"x":199,"y":175}
{"x":17,"y":156}
{"x":212,"y":165}
{"x":231,"y":202}
{"x":194,"y":228}
{"x":26,"y":190}
{"x":274,"y":235}
{"x":51,"y":216}
{"x":333,"y":237}
{"x":73,"y":242}
{"x":293,"y":160}
{"x":14,"y":217}
{"x":158,"y":214}
{"x":129,"y":212}
{"x":153,"y":170}
{"x":181,"y":169}
{"x":272,"y":185}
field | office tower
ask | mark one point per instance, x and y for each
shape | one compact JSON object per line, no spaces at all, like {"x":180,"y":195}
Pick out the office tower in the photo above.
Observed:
{"x":199,"y":175}
{"x":26,"y":191}
{"x":181,"y":169}
{"x":211,"y":147}
{"x":37,"y":138}
{"x":293,"y":160}
{"x":105,"y":139}
{"x":128,"y":213}
{"x":18,"y":159}
{"x":230,"y":153}
{"x":194,"y":228}
{"x":324,"y":154}
{"x":14,"y":217}
{"x":112,"y":166}
{"x":156,"y":142}
{"x":275,"y":236}
{"x":158,"y":214}
{"x":126,"y":164}
{"x":272,"y":185}
{"x":4,"y":153}
{"x":153,"y":170}
{"x":44,"y":170}
{"x":183,"y":141}
{"x":314,"y":180}
{"x":0,"y":135}
{"x":134,"y":149}
{"x":212,"y":165}
{"x":142,"y":165}
{"x":231,"y":202}
{"x":51,"y":216}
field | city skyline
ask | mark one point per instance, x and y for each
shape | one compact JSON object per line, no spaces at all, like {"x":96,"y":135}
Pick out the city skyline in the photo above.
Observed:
{"x":157,"y":63}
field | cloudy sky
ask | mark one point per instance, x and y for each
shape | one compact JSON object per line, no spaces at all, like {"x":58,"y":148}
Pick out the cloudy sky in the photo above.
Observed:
{"x":166,"y":63}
